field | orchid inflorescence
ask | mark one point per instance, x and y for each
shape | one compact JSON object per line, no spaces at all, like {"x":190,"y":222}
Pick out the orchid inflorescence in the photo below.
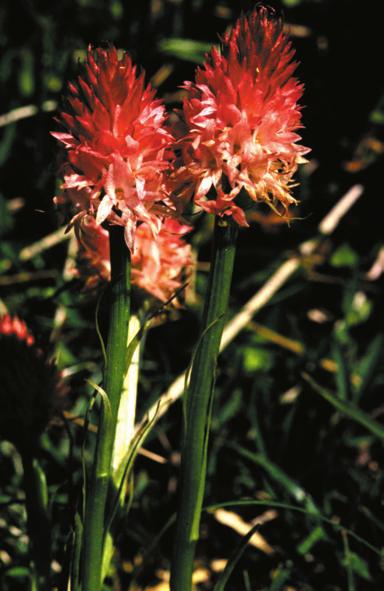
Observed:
{"x":235,"y":143}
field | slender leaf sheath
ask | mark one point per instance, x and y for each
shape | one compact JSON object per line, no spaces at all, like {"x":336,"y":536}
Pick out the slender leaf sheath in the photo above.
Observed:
{"x":38,"y":521}
{"x":199,"y":404}
{"x":115,"y":370}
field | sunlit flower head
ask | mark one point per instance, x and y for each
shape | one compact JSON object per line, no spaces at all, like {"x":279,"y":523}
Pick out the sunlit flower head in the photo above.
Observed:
{"x":159,"y":264}
{"x":116,"y":143}
{"x":241,"y":116}
{"x":31,"y":388}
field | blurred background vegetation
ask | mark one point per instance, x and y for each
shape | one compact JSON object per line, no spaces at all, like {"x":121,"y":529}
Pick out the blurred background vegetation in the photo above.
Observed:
{"x":298,"y":418}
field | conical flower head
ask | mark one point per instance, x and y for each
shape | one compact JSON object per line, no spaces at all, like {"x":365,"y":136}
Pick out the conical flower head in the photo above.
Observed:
{"x":158,"y":263}
{"x":241,"y":116}
{"x":30,"y":385}
{"x":116,"y":144}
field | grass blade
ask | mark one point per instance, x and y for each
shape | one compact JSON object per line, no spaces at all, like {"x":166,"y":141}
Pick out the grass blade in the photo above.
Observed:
{"x":239,"y":551}
{"x":348,"y":408}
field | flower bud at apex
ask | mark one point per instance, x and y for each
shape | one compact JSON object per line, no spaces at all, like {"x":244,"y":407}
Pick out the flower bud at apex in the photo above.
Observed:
{"x":30,"y":385}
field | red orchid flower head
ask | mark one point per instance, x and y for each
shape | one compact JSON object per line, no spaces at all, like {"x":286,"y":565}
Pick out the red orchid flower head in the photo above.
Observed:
{"x":116,"y":144}
{"x":241,"y":117}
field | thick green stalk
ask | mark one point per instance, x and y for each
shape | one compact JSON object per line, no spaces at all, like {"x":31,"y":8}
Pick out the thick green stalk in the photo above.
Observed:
{"x":115,"y":369}
{"x":199,"y":404}
{"x":38,"y":522}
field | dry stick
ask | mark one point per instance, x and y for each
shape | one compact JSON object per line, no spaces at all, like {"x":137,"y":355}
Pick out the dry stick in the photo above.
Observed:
{"x":25,"y":112}
{"x":30,"y":251}
{"x":261,"y":297}
{"x":289,"y":344}
{"x":61,"y":310}
{"x":45,"y":243}
{"x":27,"y":277}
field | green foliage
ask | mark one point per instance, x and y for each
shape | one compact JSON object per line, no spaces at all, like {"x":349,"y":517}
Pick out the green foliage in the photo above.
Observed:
{"x":185,"y":49}
{"x":344,"y":256}
{"x":256,"y":359}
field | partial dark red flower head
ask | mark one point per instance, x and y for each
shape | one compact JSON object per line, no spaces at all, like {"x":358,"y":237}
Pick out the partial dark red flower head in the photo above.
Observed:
{"x":31,"y":388}
{"x":116,"y":142}
{"x":241,"y":116}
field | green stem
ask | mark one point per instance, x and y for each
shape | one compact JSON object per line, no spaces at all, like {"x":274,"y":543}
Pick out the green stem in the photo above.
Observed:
{"x":199,"y":404}
{"x":38,"y":522}
{"x":125,"y":430}
{"x":115,"y":369}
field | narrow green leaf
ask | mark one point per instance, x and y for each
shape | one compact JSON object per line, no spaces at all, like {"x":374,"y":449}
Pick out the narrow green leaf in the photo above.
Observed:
{"x":228,"y":410}
{"x":98,"y":331}
{"x":88,"y":411}
{"x":348,"y":408}
{"x":149,"y":550}
{"x":359,"y":566}
{"x":9,"y":135}
{"x":234,"y":559}
{"x":201,"y":489}
{"x":280,"y":577}
{"x":247,"y":582}
{"x":368,"y":365}
{"x":342,"y":374}
{"x":76,"y":553}
{"x":185,"y":49}
{"x":18,"y":572}
{"x":105,"y":424}
{"x":26,"y":74}
{"x":307,"y":544}
{"x":275,"y":472}
{"x":347,"y":563}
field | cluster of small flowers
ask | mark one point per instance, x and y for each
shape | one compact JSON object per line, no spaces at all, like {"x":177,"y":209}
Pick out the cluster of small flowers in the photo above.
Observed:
{"x":235,"y":142}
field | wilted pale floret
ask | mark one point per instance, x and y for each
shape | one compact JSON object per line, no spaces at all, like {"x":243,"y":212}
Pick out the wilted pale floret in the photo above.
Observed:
{"x":93,"y":264}
{"x":241,"y":116}
{"x":116,"y":144}
{"x":158,"y":264}
{"x":30,"y":385}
